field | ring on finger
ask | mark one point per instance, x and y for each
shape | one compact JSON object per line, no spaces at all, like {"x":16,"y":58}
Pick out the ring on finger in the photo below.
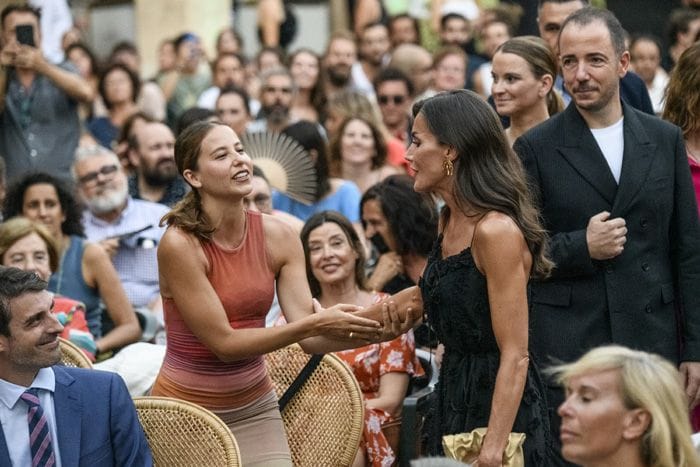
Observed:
{"x":350,"y":335}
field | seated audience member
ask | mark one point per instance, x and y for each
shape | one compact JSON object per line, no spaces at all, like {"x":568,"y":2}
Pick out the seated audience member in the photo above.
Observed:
{"x":84,"y":271}
{"x":39,"y":125}
{"x":309,"y":100}
{"x":260,"y":200}
{"x":345,"y":104}
{"x":493,"y":34}
{"x":183,"y":85}
{"x":331,"y":193}
{"x":394,"y":91}
{"x":128,"y":229}
{"x":645,"y":59}
{"x":276,"y":93}
{"x":416,"y":62}
{"x":54,"y":414}
{"x":449,"y":71}
{"x":338,"y":60}
{"x":335,"y":269}
{"x":82,"y":57}
{"x":30,"y":247}
{"x":150,"y":99}
{"x":119,"y":87}
{"x":403,"y":29}
{"x":233,"y":109}
{"x":152,"y":154}
{"x":358,"y":153}
{"x":226,"y":70}
{"x":373,"y":48}
{"x":401,"y":225}
{"x":682,"y":30}
{"x":624,"y":407}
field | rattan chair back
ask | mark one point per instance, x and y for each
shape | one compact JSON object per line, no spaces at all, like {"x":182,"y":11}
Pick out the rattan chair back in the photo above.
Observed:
{"x":183,"y":434}
{"x":71,"y":355}
{"x":324,"y":420}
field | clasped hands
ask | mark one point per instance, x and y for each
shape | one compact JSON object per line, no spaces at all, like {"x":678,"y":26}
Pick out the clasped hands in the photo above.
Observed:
{"x":377,"y":323}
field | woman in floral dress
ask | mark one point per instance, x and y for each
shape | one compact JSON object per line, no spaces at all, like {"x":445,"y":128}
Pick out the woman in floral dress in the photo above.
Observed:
{"x":335,"y":269}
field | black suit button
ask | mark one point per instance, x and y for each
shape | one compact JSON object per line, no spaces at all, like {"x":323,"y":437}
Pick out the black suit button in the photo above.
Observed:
{"x":644,"y":223}
{"x":647,"y":308}
{"x":609,"y":269}
{"x":645,"y":267}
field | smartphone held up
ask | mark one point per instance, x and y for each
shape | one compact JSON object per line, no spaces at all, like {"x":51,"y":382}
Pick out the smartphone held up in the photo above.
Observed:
{"x":25,"y":34}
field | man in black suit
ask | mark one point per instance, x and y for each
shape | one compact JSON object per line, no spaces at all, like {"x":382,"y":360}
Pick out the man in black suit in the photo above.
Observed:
{"x":615,"y":193}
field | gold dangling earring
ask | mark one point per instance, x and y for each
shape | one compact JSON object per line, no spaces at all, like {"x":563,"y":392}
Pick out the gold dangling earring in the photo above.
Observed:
{"x":448,"y":167}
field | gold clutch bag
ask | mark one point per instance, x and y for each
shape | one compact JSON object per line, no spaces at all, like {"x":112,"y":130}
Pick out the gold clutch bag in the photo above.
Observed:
{"x":465,"y":447}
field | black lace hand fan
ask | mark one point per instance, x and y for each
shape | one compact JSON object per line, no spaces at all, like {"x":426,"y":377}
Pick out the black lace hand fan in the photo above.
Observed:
{"x":286,"y":164}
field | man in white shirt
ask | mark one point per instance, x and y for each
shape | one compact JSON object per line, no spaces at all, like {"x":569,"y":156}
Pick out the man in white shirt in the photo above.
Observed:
{"x":616,"y":197}
{"x":53,"y":415}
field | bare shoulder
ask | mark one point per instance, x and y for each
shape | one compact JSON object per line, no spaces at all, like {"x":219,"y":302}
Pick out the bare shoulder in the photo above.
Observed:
{"x":93,"y":253}
{"x":178,"y":243}
{"x":498,"y":234}
{"x":280,"y":238}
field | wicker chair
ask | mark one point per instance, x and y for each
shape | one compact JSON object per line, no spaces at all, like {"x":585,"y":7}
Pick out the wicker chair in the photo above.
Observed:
{"x":183,"y":434}
{"x":324,"y":420}
{"x":71,"y":355}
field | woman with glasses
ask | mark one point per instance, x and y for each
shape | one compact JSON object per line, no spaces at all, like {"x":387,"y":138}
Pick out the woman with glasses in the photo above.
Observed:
{"x":85,"y":271}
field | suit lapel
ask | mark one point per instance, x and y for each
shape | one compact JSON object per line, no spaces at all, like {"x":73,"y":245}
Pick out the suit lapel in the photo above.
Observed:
{"x":582,"y":152}
{"x":636,"y":161}
{"x":68,"y":408}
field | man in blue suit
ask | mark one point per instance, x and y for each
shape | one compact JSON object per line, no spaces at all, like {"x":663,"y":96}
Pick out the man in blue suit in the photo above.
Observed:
{"x":53,"y":415}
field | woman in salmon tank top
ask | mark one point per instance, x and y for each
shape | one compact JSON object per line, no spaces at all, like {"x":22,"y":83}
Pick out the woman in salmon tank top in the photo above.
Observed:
{"x":218,"y":265}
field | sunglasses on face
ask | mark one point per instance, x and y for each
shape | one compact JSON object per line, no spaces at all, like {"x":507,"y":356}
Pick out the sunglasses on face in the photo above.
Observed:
{"x":397,"y":100}
{"x":91,"y":177}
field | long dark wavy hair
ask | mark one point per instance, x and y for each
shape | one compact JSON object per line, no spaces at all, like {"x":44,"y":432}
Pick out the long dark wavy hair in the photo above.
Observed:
{"x":411,"y":216}
{"x":335,"y":217}
{"x":488,"y":174}
{"x":72,"y":209}
{"x":187,"y":214}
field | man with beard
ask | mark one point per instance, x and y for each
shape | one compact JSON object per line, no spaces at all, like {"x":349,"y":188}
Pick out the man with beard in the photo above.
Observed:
{"x":374,"y":47}
{"x":276,"y":95}
{"x":53,"y":414}
{"x":152,"y":153}
{"x":340,"y":57}
{"x":126,"y":227}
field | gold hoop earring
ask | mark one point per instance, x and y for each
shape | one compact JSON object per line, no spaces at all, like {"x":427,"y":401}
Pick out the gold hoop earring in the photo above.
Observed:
{"x":448,"y":167}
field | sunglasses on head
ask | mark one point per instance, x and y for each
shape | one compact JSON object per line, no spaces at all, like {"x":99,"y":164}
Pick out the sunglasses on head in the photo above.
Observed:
{"x":397,"y":100}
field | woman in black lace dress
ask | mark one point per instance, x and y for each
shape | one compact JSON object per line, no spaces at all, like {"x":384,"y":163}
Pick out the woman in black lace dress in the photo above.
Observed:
{"x":475,"y":283}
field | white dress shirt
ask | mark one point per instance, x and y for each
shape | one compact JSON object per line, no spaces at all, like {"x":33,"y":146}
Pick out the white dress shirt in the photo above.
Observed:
{"x":13,"y":416}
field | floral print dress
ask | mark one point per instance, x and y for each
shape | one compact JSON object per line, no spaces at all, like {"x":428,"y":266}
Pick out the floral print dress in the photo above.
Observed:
{"x":369,"y":364}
